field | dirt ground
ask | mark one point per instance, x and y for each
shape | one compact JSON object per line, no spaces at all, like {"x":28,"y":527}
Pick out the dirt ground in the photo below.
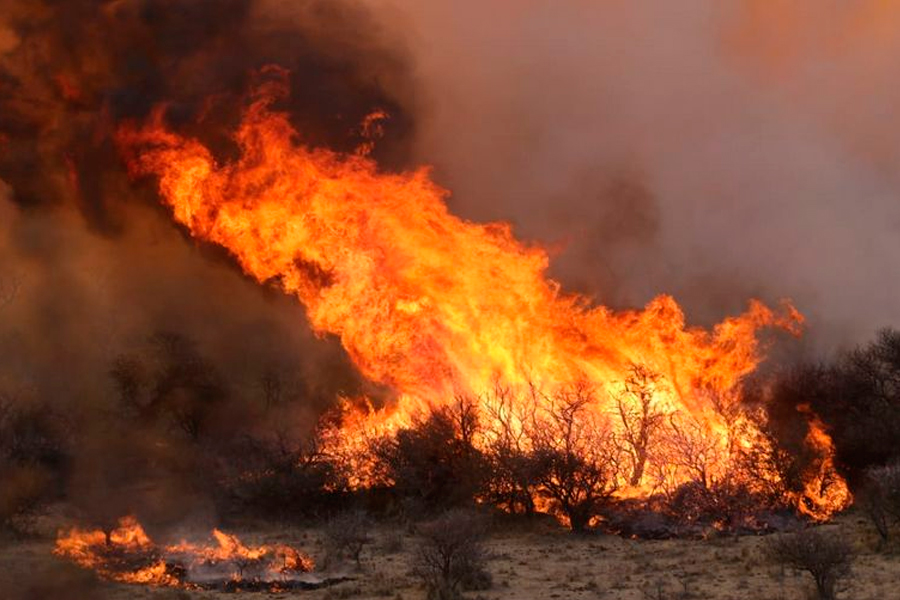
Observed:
{"x":534,"y":561}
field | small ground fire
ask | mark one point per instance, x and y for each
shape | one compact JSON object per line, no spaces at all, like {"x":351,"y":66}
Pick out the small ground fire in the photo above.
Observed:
{"x":128,"y":555}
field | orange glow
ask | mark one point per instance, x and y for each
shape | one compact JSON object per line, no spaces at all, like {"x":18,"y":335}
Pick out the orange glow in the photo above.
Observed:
{"x":777,"y":35}
{"x":434,"y":306}
{"x":130,"y":556}
{"x":824,"y":489}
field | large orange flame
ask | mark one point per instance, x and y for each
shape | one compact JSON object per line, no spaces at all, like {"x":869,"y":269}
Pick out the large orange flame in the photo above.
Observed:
{"x":425,"y":302}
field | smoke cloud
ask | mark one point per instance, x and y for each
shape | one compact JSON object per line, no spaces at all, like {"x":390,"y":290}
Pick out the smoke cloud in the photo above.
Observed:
{"x":91,"y":267}
{"x":90,"y":263}
{"x":714,"y":151}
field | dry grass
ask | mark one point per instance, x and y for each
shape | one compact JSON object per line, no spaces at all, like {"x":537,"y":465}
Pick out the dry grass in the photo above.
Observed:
{"x":540,"y":562}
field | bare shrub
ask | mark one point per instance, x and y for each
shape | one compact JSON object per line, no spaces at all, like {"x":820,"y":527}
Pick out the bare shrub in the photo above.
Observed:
{"x":576,"y":457}
{"x":726,"y":504}
{"x":450,"y":557}
{"x":694,"y":448}
{"x":827,"y":557}
{"x":283,"y":476}
{"x":345,"y":537}
{"x":880,"y":498}
{"x":434,"y":463}
{"x":640,"y":417}
{"x":513,"y":479}
{"x":172,"y":383}
{"x":23,"y":489}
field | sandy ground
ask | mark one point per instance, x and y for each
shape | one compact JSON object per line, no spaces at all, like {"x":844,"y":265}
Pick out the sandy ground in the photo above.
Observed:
{"x":535,"y":561}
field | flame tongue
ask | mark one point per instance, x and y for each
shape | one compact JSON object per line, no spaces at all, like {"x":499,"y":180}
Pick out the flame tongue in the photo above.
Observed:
{"x":423,"y":301}
{"x":128,"y":555}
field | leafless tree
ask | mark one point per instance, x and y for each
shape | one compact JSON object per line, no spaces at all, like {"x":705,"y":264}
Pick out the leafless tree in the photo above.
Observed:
{"x":827,"y":557}
{"x":346,"y":535}
{"x":434,"y":463}
{"x":880,"y":498}
{"x":272,"y":386}
{"x":187,"y":388}
{"x":450,"y":556}
{"x":577,"y":459}
{"x":640,"y":415}
{"x":464,"y":413}
{"x":727,"y":405}
{"x":692,"y":447}
{"x":509,"y":449}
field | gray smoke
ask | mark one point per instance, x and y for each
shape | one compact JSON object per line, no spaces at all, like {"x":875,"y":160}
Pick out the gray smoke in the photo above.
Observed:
{"x":714,"y":151}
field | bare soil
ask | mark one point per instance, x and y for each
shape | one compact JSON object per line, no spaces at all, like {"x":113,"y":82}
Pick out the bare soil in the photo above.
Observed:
{"x":537,"y":560}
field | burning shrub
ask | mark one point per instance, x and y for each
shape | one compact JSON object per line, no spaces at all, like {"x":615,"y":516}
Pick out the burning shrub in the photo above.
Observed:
{"x":575,"y":456}
{"x":346,"y":535}
{"x":828,"y":558}
{"x":881,"y":498}
{"x":787,"y":427}
{"x":435,"y":463}
{"x":513,"y":467}
{"x":641,"y":417}
{"x":282,"y":476}
{"x":857,"y":396}
{"x":450,"y":557}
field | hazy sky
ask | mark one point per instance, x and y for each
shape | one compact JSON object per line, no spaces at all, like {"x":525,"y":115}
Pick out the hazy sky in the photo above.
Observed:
{"x":713,"y":153}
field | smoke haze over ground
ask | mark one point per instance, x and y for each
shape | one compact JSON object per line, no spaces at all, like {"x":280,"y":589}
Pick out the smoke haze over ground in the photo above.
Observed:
{"x":94,"y":275}
{"x":90,"y":264}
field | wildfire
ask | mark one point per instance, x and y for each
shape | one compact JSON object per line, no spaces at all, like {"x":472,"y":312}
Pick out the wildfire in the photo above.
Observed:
{"x":825,"y":489}
{"x":436,"y":307}
{"x":128,"y":555}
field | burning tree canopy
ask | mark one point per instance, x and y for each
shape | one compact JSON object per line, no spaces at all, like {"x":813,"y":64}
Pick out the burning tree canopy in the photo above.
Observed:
{"x":436,"y":307}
